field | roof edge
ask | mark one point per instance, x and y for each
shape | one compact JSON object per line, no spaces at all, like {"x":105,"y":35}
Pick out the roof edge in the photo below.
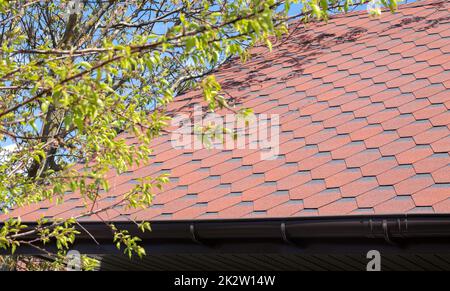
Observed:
{"x":388,"y":228}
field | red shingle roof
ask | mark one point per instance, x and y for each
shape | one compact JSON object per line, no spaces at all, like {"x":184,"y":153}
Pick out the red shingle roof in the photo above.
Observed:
{"x":365,"y":128}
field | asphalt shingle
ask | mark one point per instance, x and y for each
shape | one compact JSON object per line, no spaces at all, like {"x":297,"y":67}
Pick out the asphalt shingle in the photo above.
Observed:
{"x":364,"y":111}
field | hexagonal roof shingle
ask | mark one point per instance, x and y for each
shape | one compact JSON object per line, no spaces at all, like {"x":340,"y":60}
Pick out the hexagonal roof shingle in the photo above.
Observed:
{"x":364,"y":128}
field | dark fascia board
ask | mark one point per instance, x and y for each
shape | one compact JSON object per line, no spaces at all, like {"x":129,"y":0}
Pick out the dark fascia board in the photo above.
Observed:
{"x":390,"y":229}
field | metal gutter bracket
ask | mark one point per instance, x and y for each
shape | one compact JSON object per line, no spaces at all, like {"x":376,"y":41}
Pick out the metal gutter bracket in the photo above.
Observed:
{"x":193,"y":233}
{"x":284,"y":234}
{"x":385,"y":226}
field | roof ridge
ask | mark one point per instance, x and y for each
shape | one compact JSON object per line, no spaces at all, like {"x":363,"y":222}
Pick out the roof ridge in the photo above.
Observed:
{"x":417,"y":3}
{"x":292,"y":22}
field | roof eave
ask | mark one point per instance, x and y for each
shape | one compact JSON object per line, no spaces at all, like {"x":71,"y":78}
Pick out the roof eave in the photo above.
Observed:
{"x":306,"y":231}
